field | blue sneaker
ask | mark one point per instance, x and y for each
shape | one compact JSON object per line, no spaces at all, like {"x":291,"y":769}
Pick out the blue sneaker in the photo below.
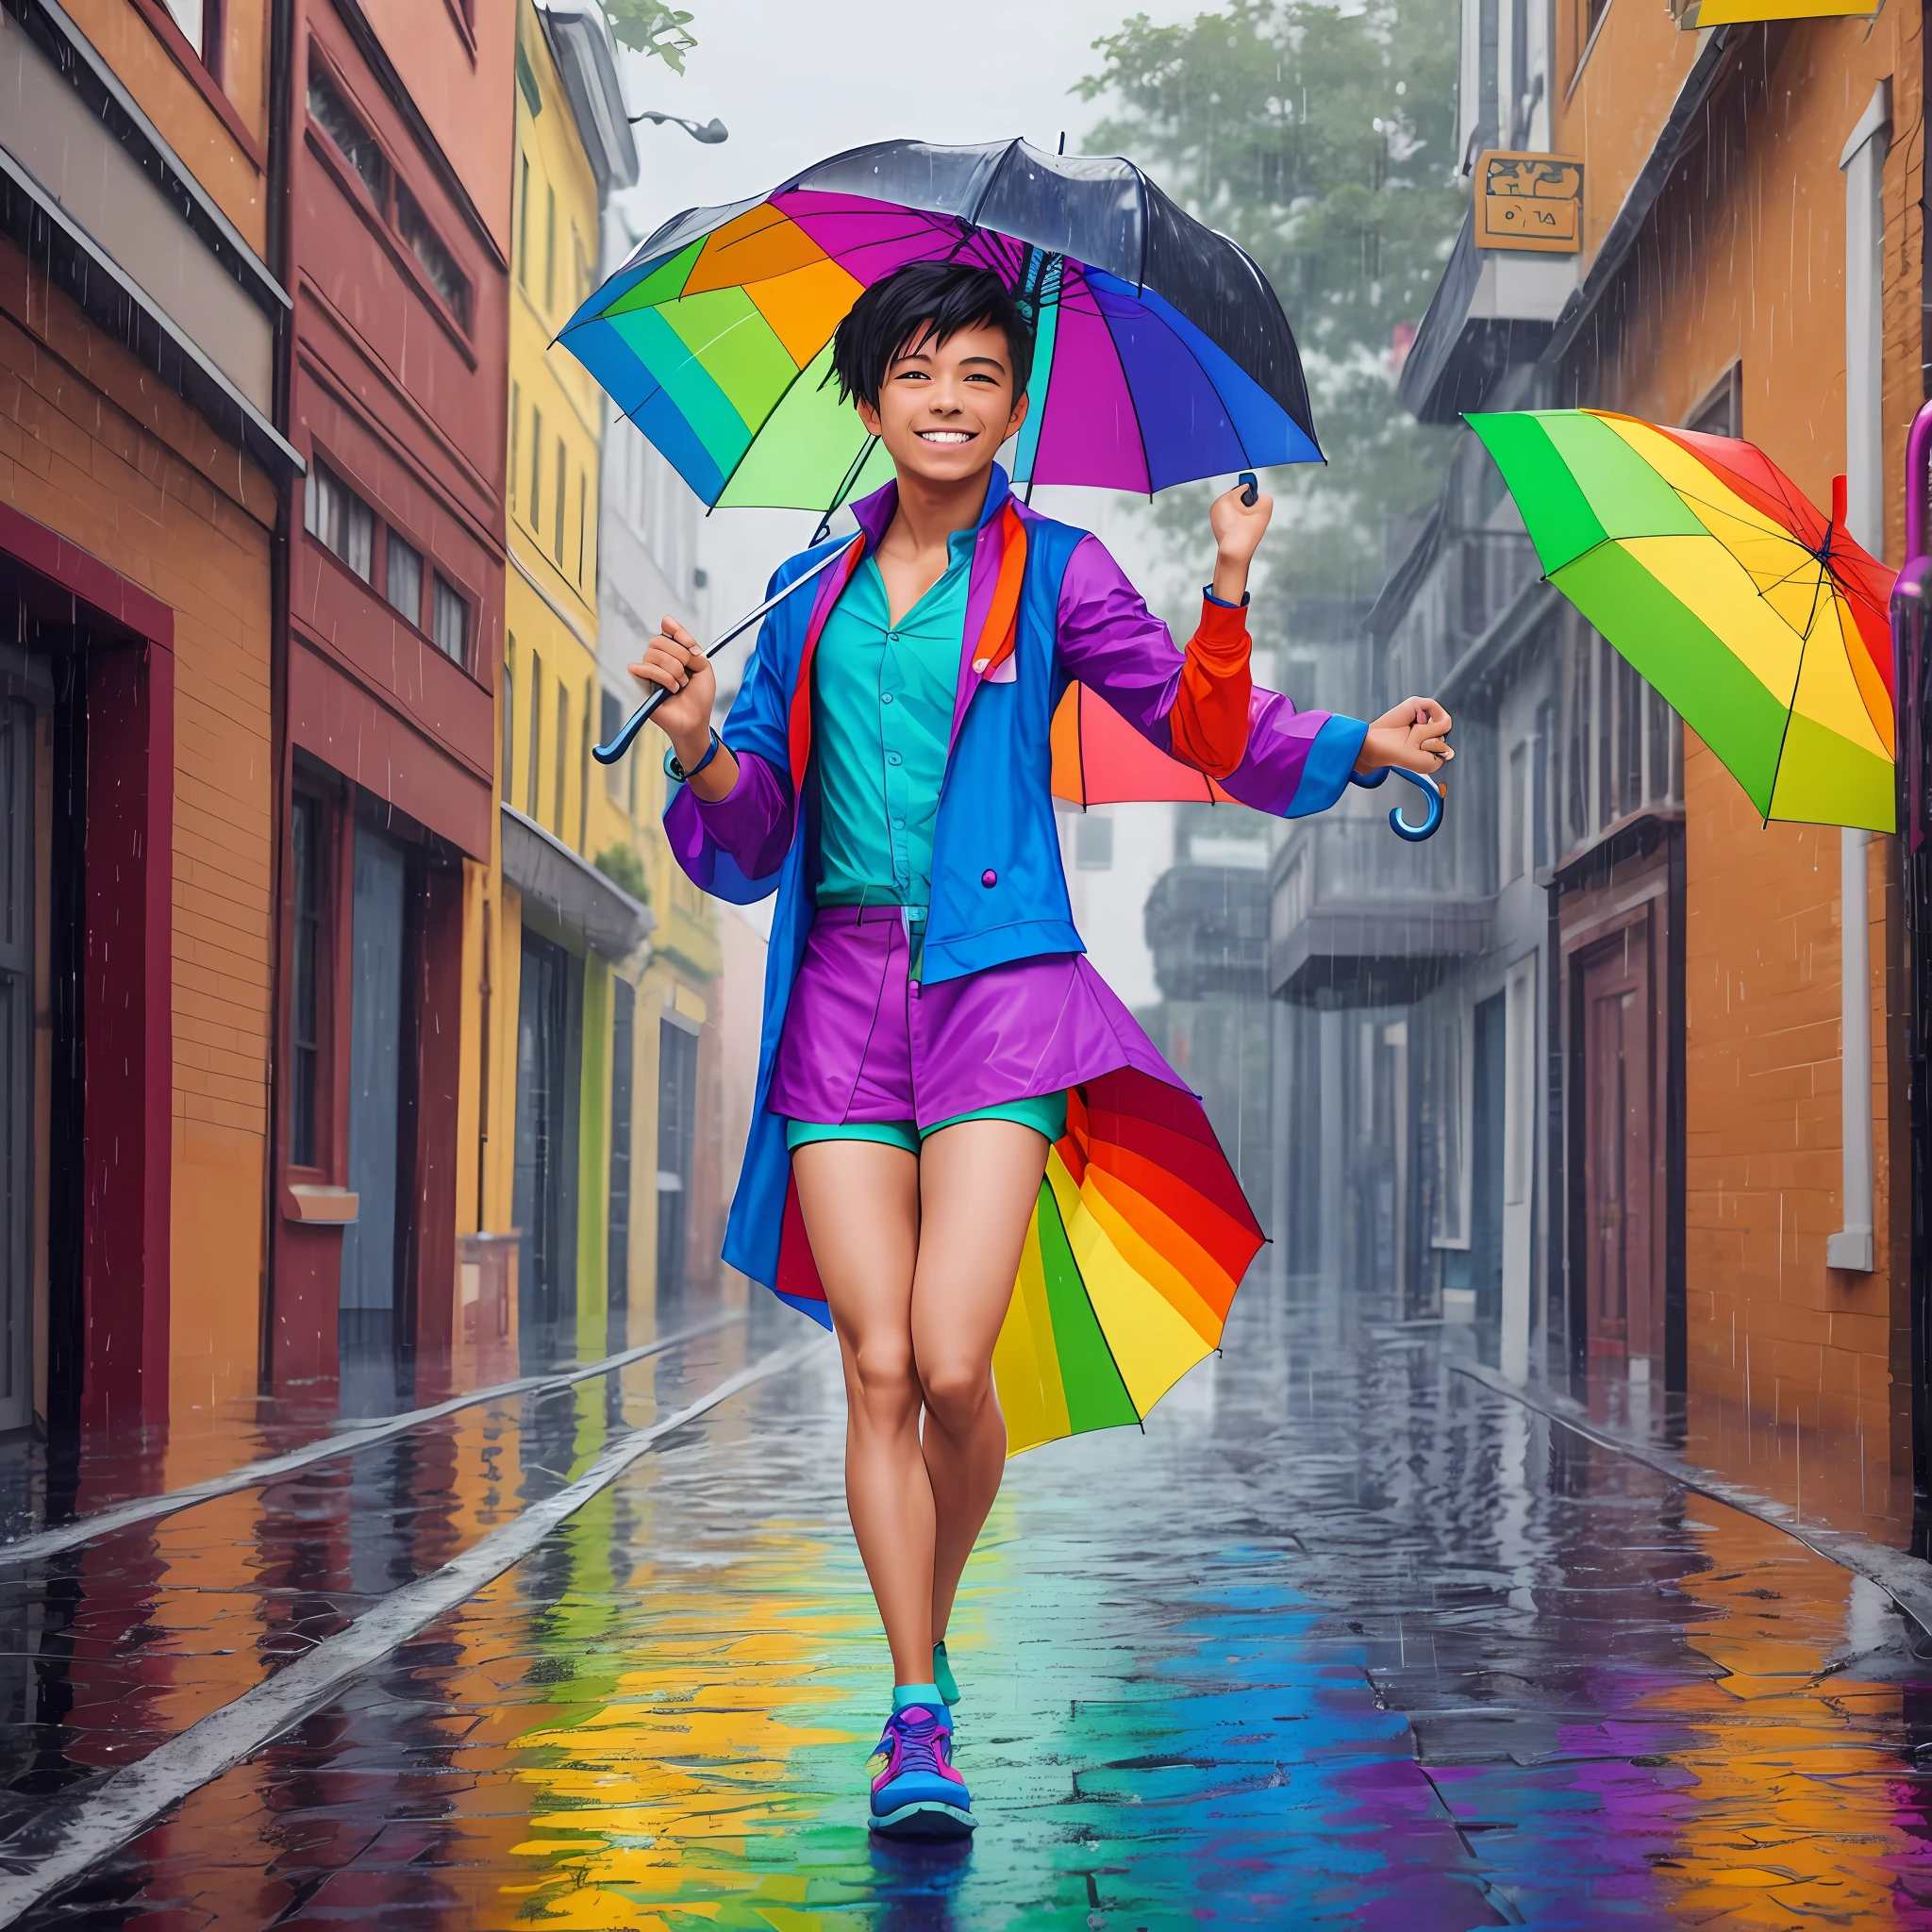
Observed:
{"x":918,"y":1793}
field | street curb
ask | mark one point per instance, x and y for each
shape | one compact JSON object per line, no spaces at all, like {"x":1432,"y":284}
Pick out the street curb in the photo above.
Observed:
{"x":1904,"y":1579}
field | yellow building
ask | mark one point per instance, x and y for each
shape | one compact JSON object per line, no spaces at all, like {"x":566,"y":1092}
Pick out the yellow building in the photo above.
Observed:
{"x":558,"y":947}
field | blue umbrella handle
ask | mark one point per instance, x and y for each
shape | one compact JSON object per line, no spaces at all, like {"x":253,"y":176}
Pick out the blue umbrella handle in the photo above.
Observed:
{"x":1249,"y":486}
{"x":1432,"y":818}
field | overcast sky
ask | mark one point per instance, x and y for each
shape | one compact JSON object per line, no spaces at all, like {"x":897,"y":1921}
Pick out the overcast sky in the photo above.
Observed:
{"x":797,"y":82}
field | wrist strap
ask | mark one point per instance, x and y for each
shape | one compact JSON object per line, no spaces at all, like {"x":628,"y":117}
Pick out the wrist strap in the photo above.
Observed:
{"x":673,"y":770}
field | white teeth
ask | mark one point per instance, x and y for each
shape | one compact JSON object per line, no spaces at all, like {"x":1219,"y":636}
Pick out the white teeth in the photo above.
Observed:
{"x":944,"y":436}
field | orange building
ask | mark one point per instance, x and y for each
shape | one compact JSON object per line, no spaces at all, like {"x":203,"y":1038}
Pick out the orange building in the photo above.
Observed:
{"x":1726,"y":1025}
{"x":140,"y":475}
{"x":1752,"y":264}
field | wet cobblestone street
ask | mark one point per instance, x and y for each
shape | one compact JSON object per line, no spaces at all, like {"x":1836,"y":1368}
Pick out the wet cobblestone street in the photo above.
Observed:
{"x":1345,"y":1637}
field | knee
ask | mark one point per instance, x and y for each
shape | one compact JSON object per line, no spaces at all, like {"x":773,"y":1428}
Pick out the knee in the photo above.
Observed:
{"x":956,"y":1392}
{"x":883,"y":1378}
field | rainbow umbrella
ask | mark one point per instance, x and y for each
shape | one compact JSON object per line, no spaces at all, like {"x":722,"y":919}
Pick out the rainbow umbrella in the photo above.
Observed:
{"x":1758,"y":618}
{"x":1161,"y":354}
{"x":1140,"y":1237}
{"x":1099,"y":758}
{"x":1138,"y":1241}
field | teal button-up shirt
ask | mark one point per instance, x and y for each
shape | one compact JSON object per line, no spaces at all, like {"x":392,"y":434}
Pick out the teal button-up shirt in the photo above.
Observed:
{"x":882,"y":725}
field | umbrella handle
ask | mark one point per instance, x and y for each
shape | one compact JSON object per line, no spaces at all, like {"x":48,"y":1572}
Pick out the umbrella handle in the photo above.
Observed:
{"x":1432,"y":819}
{"x":1249,"y":486}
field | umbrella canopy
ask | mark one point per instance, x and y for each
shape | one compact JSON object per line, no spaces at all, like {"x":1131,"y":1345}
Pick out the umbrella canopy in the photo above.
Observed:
{"x":1753,"y":614}
{"x":1099,"y":758}
{"x":1138,"y":1242}
{"x":1161,"y":354}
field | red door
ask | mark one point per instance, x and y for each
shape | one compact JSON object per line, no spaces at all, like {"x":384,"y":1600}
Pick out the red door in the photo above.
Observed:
{"x":1622,"y":1285}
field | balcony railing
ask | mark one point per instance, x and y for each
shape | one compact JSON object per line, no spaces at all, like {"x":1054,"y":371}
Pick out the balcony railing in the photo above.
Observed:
{"x":1359,"y":918}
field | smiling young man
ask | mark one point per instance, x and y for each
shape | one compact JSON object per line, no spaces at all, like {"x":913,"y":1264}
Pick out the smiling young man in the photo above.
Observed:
{"x":928,"y":1006}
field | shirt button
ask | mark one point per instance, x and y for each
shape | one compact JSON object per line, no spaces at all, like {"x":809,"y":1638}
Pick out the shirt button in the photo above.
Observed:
{"x":899,"y":826}
{"x":885,"y":698}
{"x":989,"y":877}
{"x":893,"y":758}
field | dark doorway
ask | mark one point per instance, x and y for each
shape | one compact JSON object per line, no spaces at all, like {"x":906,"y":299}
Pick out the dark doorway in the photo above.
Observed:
{"x":1489,"y":1092}
{"x":1623,"y":1291}
{"x":368,"y":1330}
{"x":545,"y":1191}
{"x":623,"y":1030}
{"x":678,"y":1105}
{"x":17,"y":937}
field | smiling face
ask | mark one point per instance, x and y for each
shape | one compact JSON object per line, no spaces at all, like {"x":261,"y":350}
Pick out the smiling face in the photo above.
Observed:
{"x":945,"y":407}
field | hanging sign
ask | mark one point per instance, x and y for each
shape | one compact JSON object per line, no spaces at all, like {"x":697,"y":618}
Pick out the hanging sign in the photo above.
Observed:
{"x":1693,"y":15}
{"x":1533,"y":202}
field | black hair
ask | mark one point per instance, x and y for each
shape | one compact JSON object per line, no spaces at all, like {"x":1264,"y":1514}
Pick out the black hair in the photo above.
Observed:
{"x":925,"y":302}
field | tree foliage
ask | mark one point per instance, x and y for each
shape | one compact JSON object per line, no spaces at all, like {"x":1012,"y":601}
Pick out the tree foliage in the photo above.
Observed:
{"x":649,"y":26}
{"x":1322,"y":141}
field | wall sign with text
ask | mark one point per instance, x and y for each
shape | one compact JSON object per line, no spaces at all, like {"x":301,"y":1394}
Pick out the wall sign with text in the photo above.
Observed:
{"x":1532,"y":202}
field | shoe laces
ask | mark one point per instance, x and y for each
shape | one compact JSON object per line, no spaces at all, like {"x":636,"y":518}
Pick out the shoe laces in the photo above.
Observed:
{"x":919,"y":1741}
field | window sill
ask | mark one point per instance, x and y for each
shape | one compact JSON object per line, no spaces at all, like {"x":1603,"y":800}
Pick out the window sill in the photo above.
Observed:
{"x":325,"y":1206}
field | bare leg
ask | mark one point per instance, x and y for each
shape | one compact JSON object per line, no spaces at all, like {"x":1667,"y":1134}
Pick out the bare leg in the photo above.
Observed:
{"x":977,"y":1183}
{"x":861,"y":1212}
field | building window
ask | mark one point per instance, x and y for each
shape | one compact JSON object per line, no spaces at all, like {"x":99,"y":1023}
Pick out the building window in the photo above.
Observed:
{"x":450,"y":622}
{"x":615,"y":776}
{"x":339,"y":121}
{"x":305,"y":982}
{"x":1450,"y":1102}
{"x":200,"y":22}
{"x":562,"y":751}
{"x":340,"y":520}
{"x":584,"y":771}
{"x":550,"y":251}
{"x":562,"y":486}
{"x":1093,"y":842}
{"x":524,"y":217}
{"x":403,"y":583}
{"x":583,"y":520}
{"x":507,"y":778}
{"x":677,"y":1104}
{"x":532,"y":778}
{"x":1515,"y":813}
{"x":516,"y":418}
{"x":392,"y":199}
{"x":435,"y":261}
{"x":536,"y":469}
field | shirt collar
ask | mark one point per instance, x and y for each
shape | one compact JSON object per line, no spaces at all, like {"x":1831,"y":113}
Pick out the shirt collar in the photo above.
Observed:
{"x":876,"y":512}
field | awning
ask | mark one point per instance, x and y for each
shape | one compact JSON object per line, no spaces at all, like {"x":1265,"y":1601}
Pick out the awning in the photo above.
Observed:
{"x":544,"y":870}
{"x":1494,"y":309}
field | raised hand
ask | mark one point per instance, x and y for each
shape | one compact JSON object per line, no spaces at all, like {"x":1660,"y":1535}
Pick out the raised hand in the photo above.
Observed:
{"x":1239,"y":528}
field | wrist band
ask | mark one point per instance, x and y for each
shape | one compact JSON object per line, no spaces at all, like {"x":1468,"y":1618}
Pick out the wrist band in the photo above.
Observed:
{"x":673,"y":770}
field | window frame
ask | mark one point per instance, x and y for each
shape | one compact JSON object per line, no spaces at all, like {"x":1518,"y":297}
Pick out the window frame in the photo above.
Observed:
{"x":385,"y":207}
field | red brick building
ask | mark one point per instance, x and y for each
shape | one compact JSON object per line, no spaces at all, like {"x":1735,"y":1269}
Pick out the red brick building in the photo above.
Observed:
{"x":397,"y":187}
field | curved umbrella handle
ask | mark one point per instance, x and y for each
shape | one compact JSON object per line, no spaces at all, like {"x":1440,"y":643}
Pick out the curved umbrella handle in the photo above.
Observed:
{"x":1432,"y":819}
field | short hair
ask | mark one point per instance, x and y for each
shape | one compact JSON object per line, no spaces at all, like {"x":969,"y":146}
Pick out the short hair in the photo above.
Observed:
{"x":925,"y":302}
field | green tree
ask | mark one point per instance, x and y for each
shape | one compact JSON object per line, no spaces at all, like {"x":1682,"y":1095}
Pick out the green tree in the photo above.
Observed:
{"x":649,"y":26}
{"x":1324,"y":141}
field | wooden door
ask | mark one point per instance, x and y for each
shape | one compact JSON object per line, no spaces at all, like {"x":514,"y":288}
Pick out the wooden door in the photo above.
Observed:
{"x":1622,"y":1290}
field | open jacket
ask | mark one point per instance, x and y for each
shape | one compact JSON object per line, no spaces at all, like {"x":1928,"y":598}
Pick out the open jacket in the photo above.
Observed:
{"x":1046,"y":606}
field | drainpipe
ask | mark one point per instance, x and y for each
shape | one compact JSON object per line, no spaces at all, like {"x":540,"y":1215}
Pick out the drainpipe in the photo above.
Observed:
{"x":1863,"y":166}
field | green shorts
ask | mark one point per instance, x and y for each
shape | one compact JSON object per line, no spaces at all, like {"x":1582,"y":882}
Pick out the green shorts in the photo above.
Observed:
{"x":1046,"y":1115}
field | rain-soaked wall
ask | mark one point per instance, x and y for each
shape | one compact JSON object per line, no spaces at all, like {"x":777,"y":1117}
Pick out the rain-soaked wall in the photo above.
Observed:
{"x":1736,"y":287}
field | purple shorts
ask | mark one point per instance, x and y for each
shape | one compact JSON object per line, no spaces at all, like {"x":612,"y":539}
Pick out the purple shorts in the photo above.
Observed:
{"x":863,"y":1042}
